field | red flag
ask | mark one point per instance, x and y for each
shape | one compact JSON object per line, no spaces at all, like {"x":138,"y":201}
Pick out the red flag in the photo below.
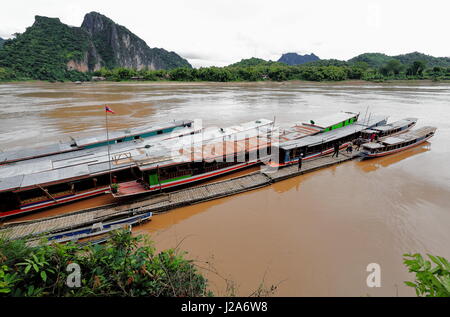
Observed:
{"x":108,"y":109}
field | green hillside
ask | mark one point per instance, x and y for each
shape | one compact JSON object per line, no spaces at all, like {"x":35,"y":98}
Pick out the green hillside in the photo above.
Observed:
{"x":254,"y":62}
{"x":53,"y":51}
{"x":44,"y":49}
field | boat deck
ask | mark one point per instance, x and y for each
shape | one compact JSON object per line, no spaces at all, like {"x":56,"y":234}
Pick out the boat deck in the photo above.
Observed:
{"x":129,"y":189}
{"x":167,"y":201}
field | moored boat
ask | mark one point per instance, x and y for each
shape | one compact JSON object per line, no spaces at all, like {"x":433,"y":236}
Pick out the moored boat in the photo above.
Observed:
{"x":391,"y":145}
{"x":322,"y":144}
{"x":390,"y":129}
{"x":98,"y":229}
{"x":43,"y":183}
{"x":95,"y":141}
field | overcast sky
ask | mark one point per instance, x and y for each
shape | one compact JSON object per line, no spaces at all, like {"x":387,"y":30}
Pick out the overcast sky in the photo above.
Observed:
{"x":219,"y":32}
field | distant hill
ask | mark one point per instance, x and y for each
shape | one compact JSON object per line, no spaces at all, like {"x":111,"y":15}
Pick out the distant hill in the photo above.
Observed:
{"x":431,"y":61}
{"x":51,"y":50}
{"x":296,"y":59}
{"x":253,"y":62}
{"x":377,"y":60}
{"x":327,"y":62}
{"x":1,"y":42}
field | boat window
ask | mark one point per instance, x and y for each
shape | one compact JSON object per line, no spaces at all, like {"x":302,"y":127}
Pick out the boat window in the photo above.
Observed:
{"x":160,"y":132}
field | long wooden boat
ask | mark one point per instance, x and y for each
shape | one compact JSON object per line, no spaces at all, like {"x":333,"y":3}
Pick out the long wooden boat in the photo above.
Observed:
{"x":391,"y":129}
{"x":64,"y":178}
{"x":95,"y":141}
{"x":193,"y":164}
{"x":97,"y":229}
{"x":322,"y":144}
{"x":396,"y":144}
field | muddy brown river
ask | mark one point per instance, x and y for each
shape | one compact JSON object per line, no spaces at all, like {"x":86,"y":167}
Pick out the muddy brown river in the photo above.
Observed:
{"x":312,"y":235}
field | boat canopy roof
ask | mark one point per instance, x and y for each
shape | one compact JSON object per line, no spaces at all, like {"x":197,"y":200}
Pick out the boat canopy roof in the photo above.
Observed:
{"x":246,"y":137}
{"x":409,"y":136}
{"x":372,"y":145}
{"x":114,"y":135}
{"x":59,"y":148}
{"x":19,"y":154}
{"x":396,"y":125}
{"x":334,"y":134}
{"x":85,"y":163}
{"x":331,"y":120}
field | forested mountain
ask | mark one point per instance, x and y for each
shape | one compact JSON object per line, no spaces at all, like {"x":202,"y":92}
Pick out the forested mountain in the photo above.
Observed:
{"x":51,"y":50}
{"x":296,"y":59}
{"x":378,"y":59}
{"x":1,"y":42}
{"x":253,"y":62}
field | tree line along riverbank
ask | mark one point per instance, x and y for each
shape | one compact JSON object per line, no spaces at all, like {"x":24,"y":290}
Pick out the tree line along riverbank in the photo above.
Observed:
{"x":323,"y":70}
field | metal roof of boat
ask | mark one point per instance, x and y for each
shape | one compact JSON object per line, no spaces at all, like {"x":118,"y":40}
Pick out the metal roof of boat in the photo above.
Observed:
{"x":12,"y":182}
{"x":372,"y":145}
{"x":83,"y":162}
{"x":57,"y":148}
{"x":369,"y":131}
{"x":396,"y":125}
{"x":402,"y":122}
{"x":20,"y":154}
{"x":411,"y":135}
{"x":333,"y":134}
{"x":54,"y":175}
{"x":393,"y":140}
{"x":331,"y":120}
{"x":83,"y":141}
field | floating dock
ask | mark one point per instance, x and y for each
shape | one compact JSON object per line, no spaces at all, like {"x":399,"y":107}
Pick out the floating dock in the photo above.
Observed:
{"x":167,"y":201}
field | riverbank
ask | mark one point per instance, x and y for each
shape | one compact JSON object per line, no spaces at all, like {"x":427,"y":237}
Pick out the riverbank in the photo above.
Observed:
{"x":294,"y":81}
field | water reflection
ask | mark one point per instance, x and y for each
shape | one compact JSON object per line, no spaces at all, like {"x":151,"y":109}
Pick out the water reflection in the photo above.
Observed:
{"x":376,"y":163}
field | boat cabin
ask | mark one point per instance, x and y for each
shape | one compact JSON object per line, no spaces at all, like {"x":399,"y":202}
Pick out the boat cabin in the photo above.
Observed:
{"x":334,"y":121}
{"x":323,"y":143}
{"x":393,"y":128}
{"x":397,"y":143}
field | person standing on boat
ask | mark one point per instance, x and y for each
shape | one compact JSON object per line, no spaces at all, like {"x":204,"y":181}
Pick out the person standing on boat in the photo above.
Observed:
{"x":300,"y":161}
{"x":336,"y":150}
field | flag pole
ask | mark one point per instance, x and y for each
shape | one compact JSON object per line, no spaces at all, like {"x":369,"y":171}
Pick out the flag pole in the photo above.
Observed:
{"x":107,"y":140}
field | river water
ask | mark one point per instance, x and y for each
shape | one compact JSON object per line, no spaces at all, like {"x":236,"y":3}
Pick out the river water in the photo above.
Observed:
{"x":312,"y":235}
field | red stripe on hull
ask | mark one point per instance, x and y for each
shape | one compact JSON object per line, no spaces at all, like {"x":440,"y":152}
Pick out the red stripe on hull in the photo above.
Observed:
{"x":395,"y":151}
{"x":51,"y":204}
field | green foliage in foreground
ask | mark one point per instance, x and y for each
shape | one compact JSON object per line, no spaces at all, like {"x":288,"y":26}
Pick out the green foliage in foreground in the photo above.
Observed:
{"x":431,"y":281}
{"x":125,"y":266}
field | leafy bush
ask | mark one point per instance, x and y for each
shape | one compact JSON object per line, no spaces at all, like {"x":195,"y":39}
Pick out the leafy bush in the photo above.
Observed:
{"x":125,"y":266}
{"x":431,"y":281}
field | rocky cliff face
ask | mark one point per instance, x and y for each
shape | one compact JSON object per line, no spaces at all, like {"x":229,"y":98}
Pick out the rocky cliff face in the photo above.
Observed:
{"x":114,"y":46}
{"x":50,"y":49}
{"x":296,"y":59}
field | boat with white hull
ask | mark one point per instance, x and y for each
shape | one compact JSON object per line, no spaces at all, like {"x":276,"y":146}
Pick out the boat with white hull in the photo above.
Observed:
{"x":392,"y":145}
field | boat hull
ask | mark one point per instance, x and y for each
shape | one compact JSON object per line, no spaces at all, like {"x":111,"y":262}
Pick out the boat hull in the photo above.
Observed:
{"x":190,"y":180}
{"x":308,"y":157}
{"x":365,"y":155}
{"x":107,"y":227}
{"x":52,"y":203}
